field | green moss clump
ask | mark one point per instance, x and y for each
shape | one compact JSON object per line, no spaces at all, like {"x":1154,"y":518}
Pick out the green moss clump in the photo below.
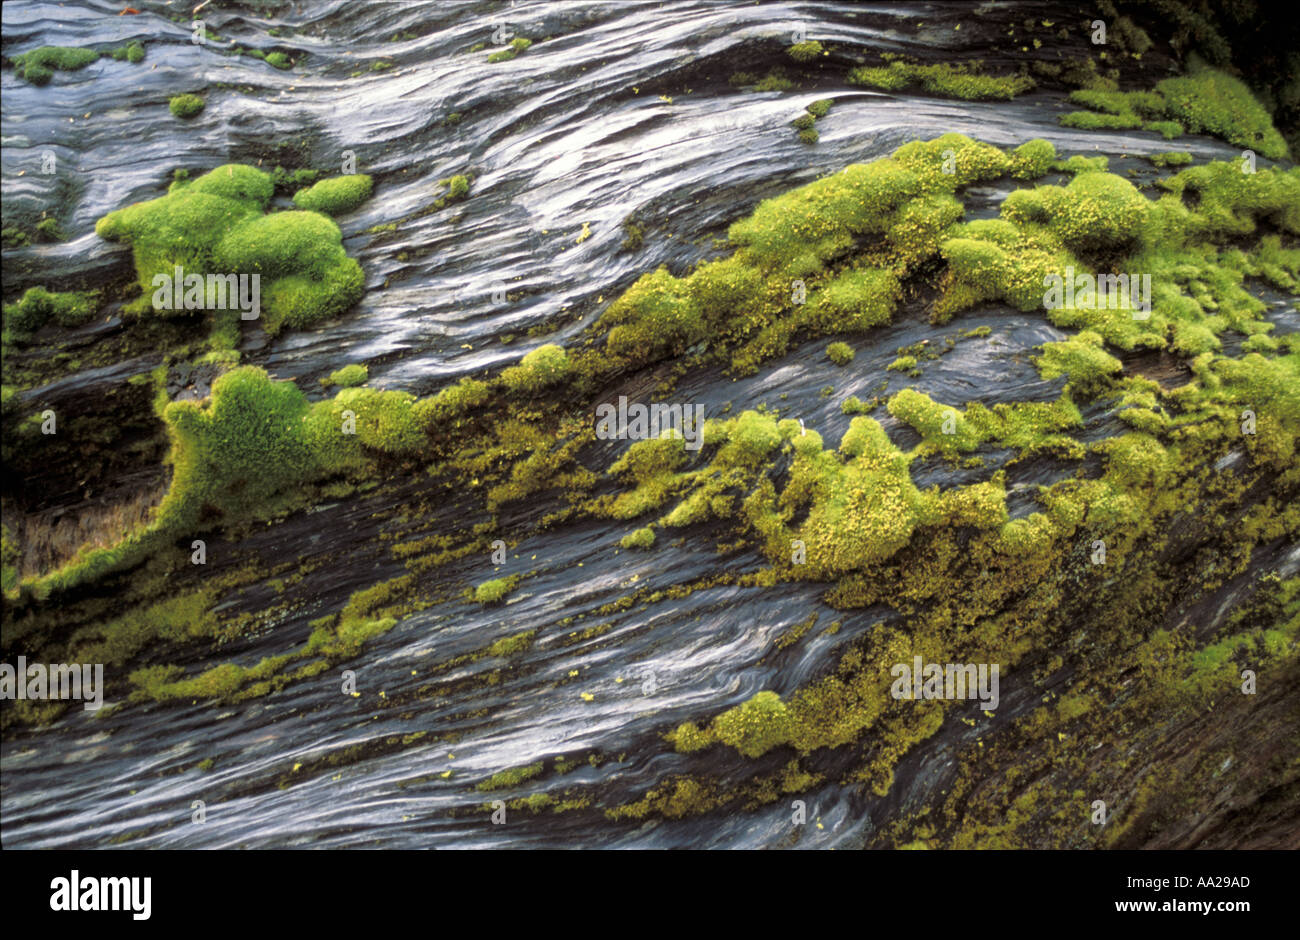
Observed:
{"x":39,"y":65}
{"x":754,"y":727}
{"x":510,"y":645}
{"x":457,"y":189}
{"x":1166,"y":129}
{"x":857,"y":300}
{"x":38,"y":306}
{"x":643,"y":537}
{"x":940,"y":425}
{"x":48,"y":230}
{"x":516,"y":46}
{"x":1095,"y":212}
{"x":1082,"y":358}
{"x":902,"y":364}
{"x":1092,"y":121}
{"x":133,"y":53}
{"x":864,"y":505}
{"x":185,"y":106}
{"x":279,"y":60}
{"x":840,"y":353}
{"x":386,"y":422}
{"x":1208,"y":101}
{"x":540,"y":369}
{"x":336,"y":195}
{"x":775,"y":80}
{"x":1205,"y":101}
{"x":1081,"y":164}
{"x":451,"y":404}
{"x":809,"y":136}
{"x":512,"y":777}
{"x":1032,"y":159}
{"x":688,"y":738}
{"x":215,"y":224}
{"x":495,"y":590}
{"x":10,"y":553}
{"x":243,"y":448}
{"x":290,"y":181}
{"x":820,"y":108}
{"x":949,"y":81}
{"x":886,"y":78}
{"x":805,"y":52}
{"x":349,"y":376}
{"x":1172,"y":158}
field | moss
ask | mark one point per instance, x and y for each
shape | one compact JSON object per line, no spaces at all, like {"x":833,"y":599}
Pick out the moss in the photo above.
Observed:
{"x":279,"y":60}
{"x":133,"y":53}
{"x":1092,"y":121}
{"x":13,"y":237}
{"x":820,"y":108}
{"x":688,"y":738}
{"x":38,"y":306}
{"x":775,"y":80}
{"x":540,"y":369}
{"x":457,"y":189}
{"x":963,"y":81}
{"x":38,"y":65}
{"x":512,"y":777}
{"x":1172,"y":158}
{"x":1095,"y":212}
{"x":642,"y":538}
{"x":335,"y":196}
{"x":185,"y":106}
{"x":386,"y":422}
{"x":290,"y":181}
{"x":840,"y":353}
{"x":215,"y":225}
{"x":510,"y":645}
{"x":1209,"y":101}
{"x":495,"y":590}
{"x":451,"y":404}
{"x":115,"y":642}
{"x":1081,"y":358}
{"x":1205,"y":101}
{"x":804,"y":121}
{"x":633,"y":235}
{"x":1032,"y":159}
{"x":1169,"y":130}
{"x":349,"y":375}
{"x":1081,"y":164}
{"x":940,"y":425}
{"x":47,"y":230}
{"x":516,"y":46}
{"x":756,"y":726}
{"x":805,"y":52}
{"x":902,"y":364}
